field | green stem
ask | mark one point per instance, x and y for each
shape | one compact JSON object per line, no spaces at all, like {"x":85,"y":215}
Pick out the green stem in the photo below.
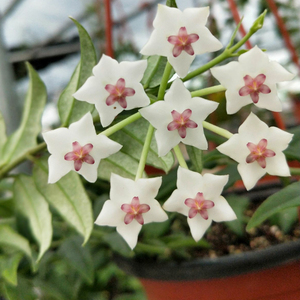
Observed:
{"x":145,"y":152}
{"x":161,"y":93}
{"x":109,"y":131}
{"x":164,"y":81}
{"x":22,"y":158}
{"x":146,"y":85}
{"x":218,"y":130}
{"x":208,"y":91}
{"x":180,"y":157}
{"x":295,"y":171}
{"x":151,"y":249}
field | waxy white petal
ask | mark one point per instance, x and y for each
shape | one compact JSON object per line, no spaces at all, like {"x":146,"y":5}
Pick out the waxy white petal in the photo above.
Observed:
{"x":168,"y":22}
{"x":107,"y":72}
{"x":252,"y":63}
{"x":253,"y":130}
{"x":159,"y":114}
{"x":189,"y":184}
{"x":123,"y":191}
{"x":60,"y":142}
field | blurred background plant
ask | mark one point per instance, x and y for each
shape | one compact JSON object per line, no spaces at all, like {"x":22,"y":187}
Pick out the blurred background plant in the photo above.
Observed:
{"x":41,"y":33}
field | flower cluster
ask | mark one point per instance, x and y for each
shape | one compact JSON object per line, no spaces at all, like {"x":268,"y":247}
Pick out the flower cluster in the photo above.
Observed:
{"x":177,"y":116}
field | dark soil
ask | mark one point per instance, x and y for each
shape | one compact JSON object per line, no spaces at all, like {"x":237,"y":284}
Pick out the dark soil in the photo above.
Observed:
{"x":224,"y":242}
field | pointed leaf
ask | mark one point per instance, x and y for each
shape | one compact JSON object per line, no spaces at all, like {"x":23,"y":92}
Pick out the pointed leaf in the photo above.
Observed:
{"x":71,"y":110}
{"x":33,"y":206}
{"x":68,"y":197}
{"x":118,"y":163}
{"x":195,"y":156}
{"x":154,"y":72}
{"x":79,"y":257}
{"x":3,"y":137}
{"x":132,"y":137}
{"x":8,"y":237}
{"x":292,"y":152}
{"x":25,"y":136}
{"x":9,"y":266}
{"x":286,"y":198}
{"x":239,"y":205}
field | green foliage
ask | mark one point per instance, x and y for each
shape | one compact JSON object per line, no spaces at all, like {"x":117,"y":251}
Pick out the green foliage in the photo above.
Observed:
{"x":286,"y":198}
{"x":125,"y":162}
{"x":239,"y":204}
{"x":68,"y":197}
{"x":71,"y":110}
{"x":25,"y":137}
{"x":32,"y":205}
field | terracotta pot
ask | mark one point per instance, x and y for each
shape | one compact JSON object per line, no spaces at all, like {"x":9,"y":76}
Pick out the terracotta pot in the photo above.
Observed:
{"x":269,"y":274}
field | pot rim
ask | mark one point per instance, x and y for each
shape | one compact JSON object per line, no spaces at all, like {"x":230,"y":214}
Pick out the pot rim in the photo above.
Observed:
{"x":213,"y":268}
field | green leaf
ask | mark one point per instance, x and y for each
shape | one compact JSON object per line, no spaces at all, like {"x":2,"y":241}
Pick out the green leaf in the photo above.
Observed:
{"x":292,"y":152}
{"x":33,"y":206}
{"x":9,"y":266}
{"x":24,"y":138}
{"x":195,"y":156}
{"x":3,"y":137}
{"x":239,"y":204}
{"x":79,"y":257}
{"x":118,"y":163}
{"x":154,"y":72}
{"x":71,"y":110}
{"x":68,"y":197}
{"x":286,"y":198}
{"x":125,"y":162}
{"x":171,"y":3}
{"x":8,"y":237}
{"x":285,"y":219}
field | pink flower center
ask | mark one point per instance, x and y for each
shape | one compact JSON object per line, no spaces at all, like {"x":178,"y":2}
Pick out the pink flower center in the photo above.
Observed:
{"x":135,"y":210}
{"x":118,"y":93}
{"x":198,"y":206}
{"x":254,"y":86}
{"x":181,"y":122}
{"x":182,"y":42}
{"x":259,"y":153}
{"x":80,"y":155}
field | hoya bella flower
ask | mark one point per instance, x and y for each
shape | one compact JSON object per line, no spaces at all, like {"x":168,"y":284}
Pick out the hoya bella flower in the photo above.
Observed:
{"x":114,"y":87}
{"x":179,"y":118}
{"x":77,"y":148}
{"x":180,"y":35}
{"x":199,"y":198}
{"x":131,"y":205}
{"x":252,"y":79}
{"x":258,"y":150}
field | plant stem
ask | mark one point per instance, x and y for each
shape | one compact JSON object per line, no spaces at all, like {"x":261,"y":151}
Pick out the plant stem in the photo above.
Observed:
{"x":17,"y":161}
{"x":218,"y":130}
{"x":295,"y":171}
{"x":151,"y":249}
{"x":160,"y":96}
{"x":145,"y":152}
{"x":164,"y":81}
{"x":146,"y":85}
{"x":208,"y":91}
{"x":180,"y":157}
{"x":109,"y":131}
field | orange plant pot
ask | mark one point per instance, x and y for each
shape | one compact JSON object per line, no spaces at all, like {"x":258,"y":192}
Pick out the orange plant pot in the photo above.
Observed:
{"x":268,"y":274}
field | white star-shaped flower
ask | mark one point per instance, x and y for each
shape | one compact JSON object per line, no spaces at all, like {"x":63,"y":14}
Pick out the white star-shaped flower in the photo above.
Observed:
{"x":77,"y":148}
{"x":180,"y":35}
{"x":179,"y":118}
{"x":251,"y":80}
{"x":258,"y":150}
{"x":199,"y":198}
{"x":114,"y":87}
{"x":131,"y":205}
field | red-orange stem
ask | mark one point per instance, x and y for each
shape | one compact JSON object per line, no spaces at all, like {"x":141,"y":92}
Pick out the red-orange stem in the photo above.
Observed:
{"x":108,"y":29}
